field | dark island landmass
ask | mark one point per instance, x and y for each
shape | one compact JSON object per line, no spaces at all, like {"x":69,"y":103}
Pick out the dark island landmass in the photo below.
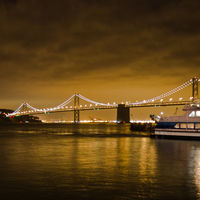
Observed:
{"x":16,"y":119}
{"x":147,"y":127}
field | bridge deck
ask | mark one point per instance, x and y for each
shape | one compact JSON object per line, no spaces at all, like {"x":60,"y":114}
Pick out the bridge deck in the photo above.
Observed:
{"x":178,"y":103}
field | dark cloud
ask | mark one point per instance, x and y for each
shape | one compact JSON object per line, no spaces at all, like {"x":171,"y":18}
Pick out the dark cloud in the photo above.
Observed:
{"x":97,"y":42}
{"x":9,"y":2}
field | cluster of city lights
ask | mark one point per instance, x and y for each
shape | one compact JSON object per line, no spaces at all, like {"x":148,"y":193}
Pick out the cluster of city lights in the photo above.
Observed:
{"x":99,"y":121}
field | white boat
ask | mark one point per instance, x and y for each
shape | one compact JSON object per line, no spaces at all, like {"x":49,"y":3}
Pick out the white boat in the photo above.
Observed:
{"x":186,"y":126}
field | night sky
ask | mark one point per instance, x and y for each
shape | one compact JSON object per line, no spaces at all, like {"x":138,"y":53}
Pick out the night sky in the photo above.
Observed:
{"x":107,"y":50}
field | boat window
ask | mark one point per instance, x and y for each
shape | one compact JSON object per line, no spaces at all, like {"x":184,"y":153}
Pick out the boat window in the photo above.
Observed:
{"x":192,"y":114}
{"x":183,"y":125}
{"x":198,"y":113}
{"x":190,"y":125}
{"x":177,"y":125}
{"x":197,"y":125}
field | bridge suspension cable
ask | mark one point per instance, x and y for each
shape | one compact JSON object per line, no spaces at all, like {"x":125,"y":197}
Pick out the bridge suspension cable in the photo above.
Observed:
{"x":21,"y":107}
{"x":17,"y":109}
{"x":177,"y":89}
{"x":65,"y":102}
{"x":31,"y":107}
{"x":94,"y":102}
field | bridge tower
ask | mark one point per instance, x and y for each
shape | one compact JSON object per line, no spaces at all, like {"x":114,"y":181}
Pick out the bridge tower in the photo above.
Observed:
{"x":123,"y":113}
{"x":24,"y":107}
{"x":76,"y":109}
{"x":195,"y":88}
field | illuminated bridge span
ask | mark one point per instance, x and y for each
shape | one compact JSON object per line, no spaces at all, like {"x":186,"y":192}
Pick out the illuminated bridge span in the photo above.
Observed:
{"x":72,"y":104}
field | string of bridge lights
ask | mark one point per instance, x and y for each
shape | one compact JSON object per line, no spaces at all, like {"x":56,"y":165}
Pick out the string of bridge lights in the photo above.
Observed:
{"x":65,"y":102}
{"x":16,"y":111}
{"x":95,"y":103}
{"x":160,"y":97}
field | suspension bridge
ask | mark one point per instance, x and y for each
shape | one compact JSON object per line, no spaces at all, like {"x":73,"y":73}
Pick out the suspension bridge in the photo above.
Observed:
{"x":123,"y":109}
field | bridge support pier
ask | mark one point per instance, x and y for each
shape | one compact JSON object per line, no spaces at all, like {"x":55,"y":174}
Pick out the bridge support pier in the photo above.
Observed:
{"x":76,"y":109}
{"x":195,"y":88}
{"x":123,"y":114}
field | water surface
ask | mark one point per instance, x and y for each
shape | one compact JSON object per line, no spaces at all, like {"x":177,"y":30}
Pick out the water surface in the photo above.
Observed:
{"x":95,"y":162}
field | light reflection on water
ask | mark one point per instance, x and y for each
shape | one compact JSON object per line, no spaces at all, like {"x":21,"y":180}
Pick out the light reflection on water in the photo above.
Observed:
{"x":194,"y":167}
{"x":58,"y":163}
